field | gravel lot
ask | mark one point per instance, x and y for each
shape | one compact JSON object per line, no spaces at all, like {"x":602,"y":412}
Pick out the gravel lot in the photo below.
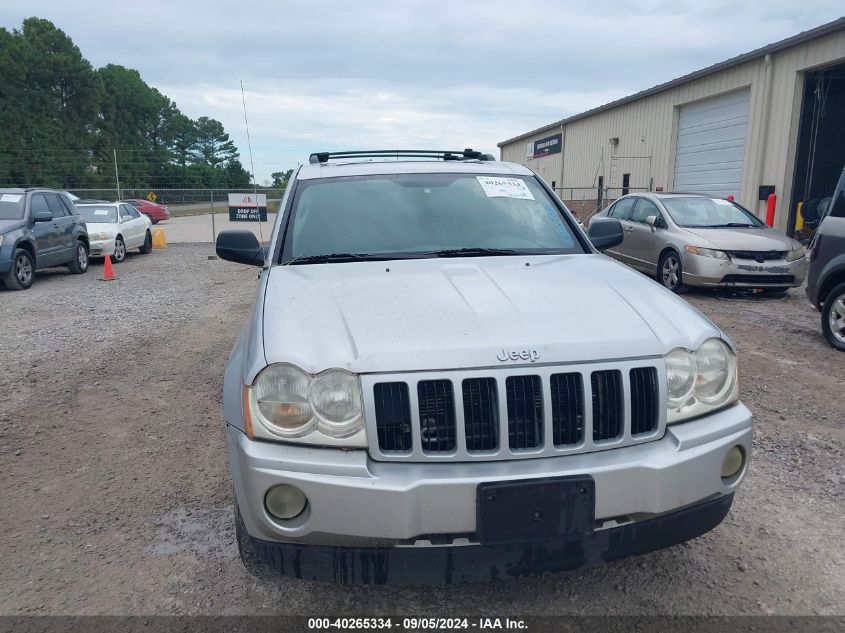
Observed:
{"x":117,"y":495}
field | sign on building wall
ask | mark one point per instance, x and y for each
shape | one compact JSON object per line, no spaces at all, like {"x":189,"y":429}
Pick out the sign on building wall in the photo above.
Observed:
{"x":247,"y":207}
{"x":546,"y":146}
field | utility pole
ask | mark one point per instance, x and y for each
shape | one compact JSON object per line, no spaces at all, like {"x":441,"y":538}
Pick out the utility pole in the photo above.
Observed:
{"x":116,"y":177}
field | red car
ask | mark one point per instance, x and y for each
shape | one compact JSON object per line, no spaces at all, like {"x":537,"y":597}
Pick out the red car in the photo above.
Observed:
{"x":156,"y":212}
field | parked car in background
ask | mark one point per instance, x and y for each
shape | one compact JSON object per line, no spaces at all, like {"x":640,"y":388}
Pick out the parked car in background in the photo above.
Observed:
{"x":443,"y":380}
{"x":826,"y":278}
{"x":77,"y":200}
{"x":116,"y":227}
{"x":155,"y":212}
{"x":694,"y":240}
{"x":39,"y":228}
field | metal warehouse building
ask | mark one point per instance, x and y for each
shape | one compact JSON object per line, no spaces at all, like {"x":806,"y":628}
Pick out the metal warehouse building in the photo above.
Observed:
{"x":772,"y":120}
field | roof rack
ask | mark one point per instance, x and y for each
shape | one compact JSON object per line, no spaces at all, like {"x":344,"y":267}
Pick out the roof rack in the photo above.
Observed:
{"x":467,"y":154}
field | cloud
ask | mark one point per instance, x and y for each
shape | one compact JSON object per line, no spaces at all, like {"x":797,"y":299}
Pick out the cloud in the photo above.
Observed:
{"x":442,"y":73}
{"x":288,"y":120}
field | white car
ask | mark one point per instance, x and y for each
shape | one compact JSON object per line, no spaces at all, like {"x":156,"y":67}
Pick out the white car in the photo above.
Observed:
{"x":114,"y":228}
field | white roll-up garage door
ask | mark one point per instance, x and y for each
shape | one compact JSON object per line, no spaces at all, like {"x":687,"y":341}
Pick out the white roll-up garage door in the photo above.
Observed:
{"x":711,"y":144}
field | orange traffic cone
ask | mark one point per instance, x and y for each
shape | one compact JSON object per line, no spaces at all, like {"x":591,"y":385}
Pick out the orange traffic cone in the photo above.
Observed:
{"x":108,"y":270}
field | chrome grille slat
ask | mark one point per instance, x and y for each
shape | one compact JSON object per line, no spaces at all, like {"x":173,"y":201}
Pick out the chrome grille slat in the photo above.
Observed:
{"x":537,"y":411}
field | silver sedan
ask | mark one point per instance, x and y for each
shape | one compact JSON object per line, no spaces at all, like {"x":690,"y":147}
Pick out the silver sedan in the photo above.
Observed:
{"x":693,"y":240}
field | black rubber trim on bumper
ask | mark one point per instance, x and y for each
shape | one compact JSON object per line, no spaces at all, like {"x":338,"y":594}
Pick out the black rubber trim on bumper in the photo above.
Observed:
{"x":476,"y":563}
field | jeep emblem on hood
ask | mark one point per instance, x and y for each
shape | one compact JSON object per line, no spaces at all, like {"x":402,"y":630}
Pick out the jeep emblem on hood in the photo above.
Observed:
{"x":518,"y":354}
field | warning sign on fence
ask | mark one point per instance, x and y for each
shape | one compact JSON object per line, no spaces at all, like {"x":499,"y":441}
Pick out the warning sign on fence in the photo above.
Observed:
{"x":247,"y":207}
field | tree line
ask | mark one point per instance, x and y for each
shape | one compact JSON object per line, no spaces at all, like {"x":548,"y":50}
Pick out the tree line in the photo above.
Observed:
{"x":62,"y":122}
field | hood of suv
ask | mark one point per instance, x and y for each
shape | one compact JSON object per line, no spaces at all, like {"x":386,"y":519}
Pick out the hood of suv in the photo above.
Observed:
{"x":432,"y":314}
{"x":6,"y":226}
{"x":760,"y":239}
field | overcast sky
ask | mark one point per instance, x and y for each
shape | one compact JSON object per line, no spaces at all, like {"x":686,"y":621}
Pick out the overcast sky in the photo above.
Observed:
{"x":442,"y":74}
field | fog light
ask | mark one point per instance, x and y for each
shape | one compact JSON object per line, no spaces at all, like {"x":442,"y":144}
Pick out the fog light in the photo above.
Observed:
{"x":732,"y":463}
{"x":285,"y":502}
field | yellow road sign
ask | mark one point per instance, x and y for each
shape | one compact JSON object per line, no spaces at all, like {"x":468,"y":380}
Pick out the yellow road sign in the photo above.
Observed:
{"x":152,"y":197}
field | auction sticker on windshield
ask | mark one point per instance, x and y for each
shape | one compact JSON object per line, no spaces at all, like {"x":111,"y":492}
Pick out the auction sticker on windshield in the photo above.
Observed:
{"x":505,"y":188}
{"x":11,"y":197}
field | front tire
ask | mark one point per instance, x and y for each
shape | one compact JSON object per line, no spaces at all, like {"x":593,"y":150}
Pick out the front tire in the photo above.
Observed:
{"x":670,"y":272}
{"x":119,"y":250}
{"x":833,"y":317}
{"x":147,"y":246}
{"x":22,"y":273}
{"x":79,"y":264}
{"x":251,"y":557}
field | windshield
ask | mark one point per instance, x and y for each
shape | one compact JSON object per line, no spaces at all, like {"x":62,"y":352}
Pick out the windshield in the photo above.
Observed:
{"x":11,"y":206}
{"x":709,"y":213}
{"x":425,"y":215}
{"x":98,"y":214}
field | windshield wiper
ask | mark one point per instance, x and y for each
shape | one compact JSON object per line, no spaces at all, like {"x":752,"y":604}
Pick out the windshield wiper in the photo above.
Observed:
{"x":332,"y":258}
{"x":741,"y":225}
{"x":473,"y":252}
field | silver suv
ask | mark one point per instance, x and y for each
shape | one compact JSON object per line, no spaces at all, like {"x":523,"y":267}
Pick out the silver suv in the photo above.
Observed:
{"x":443,"y":380}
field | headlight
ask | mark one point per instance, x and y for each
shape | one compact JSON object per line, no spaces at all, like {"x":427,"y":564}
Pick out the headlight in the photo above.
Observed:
{"x":795,"y":254}
{"x":290,"y":404}
{"x":716,"y":372}
{"x":98,"y":237}
{"x":707,"y":252}
{"x":700,"y":382}
{"x":680,"y":376}
{"x":336,"y":398}
{"x":280,"y":395}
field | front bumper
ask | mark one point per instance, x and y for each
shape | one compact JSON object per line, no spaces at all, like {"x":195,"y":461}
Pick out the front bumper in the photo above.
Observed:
{"x":711,"y":272}
{"x":477,"y":563}
{"x":355,"y":501}
{"x":101,"y":248}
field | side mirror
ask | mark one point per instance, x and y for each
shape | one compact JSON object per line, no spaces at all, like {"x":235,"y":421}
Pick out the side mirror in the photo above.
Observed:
{"x":241,"y":247}
{"x":42,"y":216}
{"x":651,"y":221}
{"x":605,"y":232}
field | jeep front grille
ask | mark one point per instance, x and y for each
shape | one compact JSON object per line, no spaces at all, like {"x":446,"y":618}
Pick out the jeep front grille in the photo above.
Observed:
{"x":508,"y":413}
{"x":437,"y":415}
{"x":394,"y":415}
{"x":607,"y":404}
{"x":567,"y":409}
{"x":525,"y":412}
{"x":481,"y":414}
{"x":644,"y":413}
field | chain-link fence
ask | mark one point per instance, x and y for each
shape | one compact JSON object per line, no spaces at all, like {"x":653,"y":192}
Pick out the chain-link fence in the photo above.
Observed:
{"x":196,"y":215}
{"x":174,"y":198}
{"x":587,"y":201}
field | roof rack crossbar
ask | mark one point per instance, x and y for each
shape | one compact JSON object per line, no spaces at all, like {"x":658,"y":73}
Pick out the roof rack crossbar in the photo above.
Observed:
{"x":466,"y":154}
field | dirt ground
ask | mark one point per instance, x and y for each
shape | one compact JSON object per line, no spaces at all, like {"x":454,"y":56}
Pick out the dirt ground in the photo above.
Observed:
{"x":116,"y":492}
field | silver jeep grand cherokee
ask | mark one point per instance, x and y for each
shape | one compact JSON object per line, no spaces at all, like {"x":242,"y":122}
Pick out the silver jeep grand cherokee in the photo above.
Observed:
{"x":443,"y":380}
